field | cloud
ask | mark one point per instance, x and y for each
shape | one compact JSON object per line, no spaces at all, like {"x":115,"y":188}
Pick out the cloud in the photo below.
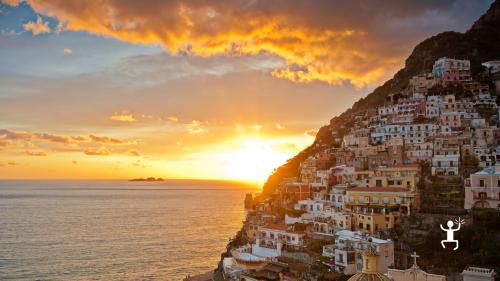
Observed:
{"x":36,"y":153}
{"x":12,"y":163}
{"x":70,"y":143}
{"x":105,"y":140}
{"x":255,"y":127}
{"x":134,"y":152}
{"x":102,"y":151}
{"x":24,"y":136}
{"x":195,"y":127}
{"x":123,"y":118}
{"x":329,"y":41}
{"x":14,"y":135}
{"x":4,"y":143}
{"x":173,"y":119}
{"x":242,"y":128}
{"x":67,"y":51}
{"x":311,"y":133}
{"x":280,"y":127}
{"x":38,"y":27}
{"x":54,"y":138}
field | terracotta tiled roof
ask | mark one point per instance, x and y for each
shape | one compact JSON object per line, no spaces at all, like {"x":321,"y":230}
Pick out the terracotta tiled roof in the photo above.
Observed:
{"x":276,"y":226}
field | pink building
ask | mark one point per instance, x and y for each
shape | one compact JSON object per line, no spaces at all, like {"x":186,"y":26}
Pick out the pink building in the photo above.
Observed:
{"x":482,"y":189}
{"x":451,"y":71}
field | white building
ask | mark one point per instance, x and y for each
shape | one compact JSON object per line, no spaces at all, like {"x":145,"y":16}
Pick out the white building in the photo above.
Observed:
{"x":411,"y":133}
{"x":330,"y":221}
{"x":445,"y":165}
{"x":321,"y":179}
{"x":348,"y":248}
{"x":432,"y":108}
{"x":273,"y":238}
{"x":419,"y":152}
{"x":309,"y":206}
{"x":478,"y":274}
{"x":337,"y":196}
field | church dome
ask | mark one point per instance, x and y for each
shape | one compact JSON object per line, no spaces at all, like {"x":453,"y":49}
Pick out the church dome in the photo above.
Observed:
{"x":369,"y":272}
{"x":361,"y":276}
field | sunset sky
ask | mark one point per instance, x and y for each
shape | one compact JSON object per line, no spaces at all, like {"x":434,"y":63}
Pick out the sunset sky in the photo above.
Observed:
{"x":192,"y":89}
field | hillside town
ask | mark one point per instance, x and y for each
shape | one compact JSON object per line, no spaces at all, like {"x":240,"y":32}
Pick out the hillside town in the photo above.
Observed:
{"x":357,"y":209}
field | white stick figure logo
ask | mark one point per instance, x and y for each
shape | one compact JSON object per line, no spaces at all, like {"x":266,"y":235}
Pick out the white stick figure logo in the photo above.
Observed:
{"x":450,"y":232}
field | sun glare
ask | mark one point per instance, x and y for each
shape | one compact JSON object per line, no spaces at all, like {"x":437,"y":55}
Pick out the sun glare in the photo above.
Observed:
{"x":253,"y":160}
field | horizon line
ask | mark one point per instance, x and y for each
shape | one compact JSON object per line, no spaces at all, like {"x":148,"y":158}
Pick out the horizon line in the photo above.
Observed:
{"x":248,"y":182}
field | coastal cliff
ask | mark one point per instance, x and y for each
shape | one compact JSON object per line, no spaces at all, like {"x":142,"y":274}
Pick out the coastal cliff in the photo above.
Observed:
{"x":478,"y":44}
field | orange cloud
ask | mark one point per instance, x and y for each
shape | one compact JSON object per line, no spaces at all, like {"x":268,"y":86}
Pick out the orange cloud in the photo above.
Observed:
{"x":5,"y":143}
{"x":36,"y":153}
{"x":102,"y":151}
{"x":123,"y":118}
{"x":106,"y":140}
{"x":195,"y":127}
{"x":315,"y":45}
{"x":38,"y":27}
{"x":134,"y":152}
{"x":54,"y":138}
{"x":14,"y":135}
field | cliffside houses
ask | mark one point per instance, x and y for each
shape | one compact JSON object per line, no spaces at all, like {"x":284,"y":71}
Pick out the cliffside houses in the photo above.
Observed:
{"x":367,"y":180}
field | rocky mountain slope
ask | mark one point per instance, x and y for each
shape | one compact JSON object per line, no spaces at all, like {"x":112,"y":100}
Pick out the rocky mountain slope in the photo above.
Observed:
{"x":479,"y":44}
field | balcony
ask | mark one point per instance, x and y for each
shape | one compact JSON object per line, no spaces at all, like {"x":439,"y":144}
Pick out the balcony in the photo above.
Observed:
{"x":329,"y":251}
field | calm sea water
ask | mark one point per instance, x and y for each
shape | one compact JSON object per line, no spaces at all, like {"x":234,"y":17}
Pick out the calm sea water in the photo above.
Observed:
{"x":114,"y":230}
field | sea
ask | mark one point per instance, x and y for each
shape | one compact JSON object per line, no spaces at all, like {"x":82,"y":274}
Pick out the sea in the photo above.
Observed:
{"x":116,"y":230}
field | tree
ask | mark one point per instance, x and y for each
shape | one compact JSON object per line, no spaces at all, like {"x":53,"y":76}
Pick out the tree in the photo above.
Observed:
{"x":470,"y":164}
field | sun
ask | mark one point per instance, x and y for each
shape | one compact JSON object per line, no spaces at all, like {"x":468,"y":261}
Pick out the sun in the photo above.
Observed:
{"x":253,"y":160}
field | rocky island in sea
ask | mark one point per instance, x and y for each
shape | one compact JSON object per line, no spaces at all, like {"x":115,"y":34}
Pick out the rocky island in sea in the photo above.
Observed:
{"x":150,"y":179}
{"x":369,"y":198}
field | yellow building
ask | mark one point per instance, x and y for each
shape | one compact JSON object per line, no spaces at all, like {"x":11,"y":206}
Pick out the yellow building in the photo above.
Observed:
{"x":385,"y":197}
{"x":370,"y":220}
{"x":403,"y":176}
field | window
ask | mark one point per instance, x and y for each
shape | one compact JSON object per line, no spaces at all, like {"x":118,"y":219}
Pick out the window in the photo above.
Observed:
{"x":481,"y":183}
{"x":482,"y":195}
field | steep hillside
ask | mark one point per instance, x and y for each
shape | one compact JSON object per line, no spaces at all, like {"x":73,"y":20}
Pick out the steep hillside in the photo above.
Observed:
{"x":480,"y":43}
